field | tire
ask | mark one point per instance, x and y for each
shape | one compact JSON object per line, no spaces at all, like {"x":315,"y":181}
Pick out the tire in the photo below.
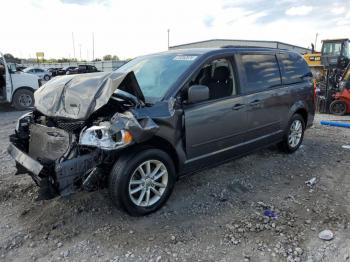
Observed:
{"x":46,"y":77}
{"x":23,"y":99}
{"x":293,"y":139}
{"x":126,"y":171}
{"x":338,"y":108}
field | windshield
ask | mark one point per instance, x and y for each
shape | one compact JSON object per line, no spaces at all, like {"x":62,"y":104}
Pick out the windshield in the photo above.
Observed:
{"x":332,"y":48}
{"x":156,"y":73}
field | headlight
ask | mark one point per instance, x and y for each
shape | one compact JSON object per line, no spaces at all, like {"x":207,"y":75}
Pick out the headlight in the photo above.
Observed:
{"x":104,"y":137}
{"x":24,"y":121}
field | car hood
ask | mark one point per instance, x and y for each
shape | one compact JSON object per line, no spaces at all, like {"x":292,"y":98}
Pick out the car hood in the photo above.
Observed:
{"x":78,"y":96}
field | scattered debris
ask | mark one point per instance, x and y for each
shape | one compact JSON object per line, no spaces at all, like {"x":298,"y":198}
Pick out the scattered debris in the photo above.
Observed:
{"x":270,"y":213}
{"x":346,"y":146}
{"x":311,"y":182}
{"x":326,"y":235}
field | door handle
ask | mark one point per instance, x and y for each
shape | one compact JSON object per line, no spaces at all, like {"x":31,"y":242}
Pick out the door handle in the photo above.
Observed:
{"x":255,"y":102}
{"x":238,"y":106}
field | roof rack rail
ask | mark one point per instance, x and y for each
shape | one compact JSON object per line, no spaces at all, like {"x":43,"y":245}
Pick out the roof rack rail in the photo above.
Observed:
{"x":260,"y":47}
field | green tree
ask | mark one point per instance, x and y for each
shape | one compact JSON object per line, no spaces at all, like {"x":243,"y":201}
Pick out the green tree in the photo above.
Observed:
{"x":107,"y":57}
{"x":110,"y":57}
{"x":11,"y":59}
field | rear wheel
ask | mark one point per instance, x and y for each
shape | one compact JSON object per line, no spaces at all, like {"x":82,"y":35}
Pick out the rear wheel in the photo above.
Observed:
{"x":338,"y":107}
{"x":141,"y":183}
{"x":294,"y":134}
{"x":23,"y":99}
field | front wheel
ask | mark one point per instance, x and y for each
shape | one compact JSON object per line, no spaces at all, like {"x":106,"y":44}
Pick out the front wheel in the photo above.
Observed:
{"x":141,"y":183}
{"x":46,"y":77}
{"x":338,"y":108}
{"x":294,"y":134}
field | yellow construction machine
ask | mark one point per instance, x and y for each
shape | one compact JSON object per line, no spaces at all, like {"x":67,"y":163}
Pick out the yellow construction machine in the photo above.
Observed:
{"x":328,"y":67}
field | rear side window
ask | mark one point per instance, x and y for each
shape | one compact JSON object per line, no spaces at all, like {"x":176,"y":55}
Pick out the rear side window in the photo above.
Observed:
{"x":295,"y":68}
{"x":259,"y":72}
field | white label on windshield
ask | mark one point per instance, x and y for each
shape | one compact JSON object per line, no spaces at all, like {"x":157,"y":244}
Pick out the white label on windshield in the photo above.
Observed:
{"x":185,"y":57}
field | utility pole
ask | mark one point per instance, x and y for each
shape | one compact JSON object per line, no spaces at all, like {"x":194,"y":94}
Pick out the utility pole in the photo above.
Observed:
{"x":73,"y":45}
{"x":168,"y":38}
{"x":316,"y":40}
{"x":93,"y":46}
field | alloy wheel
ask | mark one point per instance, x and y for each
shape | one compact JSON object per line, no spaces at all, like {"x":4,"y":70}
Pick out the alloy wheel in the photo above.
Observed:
{"x":295,"y":133}
{"x":148,"y":183}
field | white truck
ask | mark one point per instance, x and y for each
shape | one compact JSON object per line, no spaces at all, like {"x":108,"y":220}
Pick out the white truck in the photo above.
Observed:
{"x":17,"y":87}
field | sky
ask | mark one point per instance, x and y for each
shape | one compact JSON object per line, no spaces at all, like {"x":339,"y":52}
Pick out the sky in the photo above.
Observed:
{"x":130,"y":28}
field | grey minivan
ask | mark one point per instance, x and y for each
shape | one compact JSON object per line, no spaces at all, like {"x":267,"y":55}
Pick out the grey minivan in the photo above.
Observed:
{"x":161,"y":116}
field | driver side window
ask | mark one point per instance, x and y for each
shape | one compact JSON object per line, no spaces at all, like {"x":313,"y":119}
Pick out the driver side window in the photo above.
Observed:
{"x":218,"y":76}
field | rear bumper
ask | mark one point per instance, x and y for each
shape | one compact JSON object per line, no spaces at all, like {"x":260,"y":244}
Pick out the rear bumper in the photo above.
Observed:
{"x":24,"y":160}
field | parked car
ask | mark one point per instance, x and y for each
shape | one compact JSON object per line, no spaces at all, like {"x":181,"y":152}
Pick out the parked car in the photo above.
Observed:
{"x":17,"y":87}
{"x":64,"y":70}
{"x":41,"y":73}
{"x":54,"y":70}
{"x":83,"y":69}
{"x":161,"y":116}
{"x":20,"y":67}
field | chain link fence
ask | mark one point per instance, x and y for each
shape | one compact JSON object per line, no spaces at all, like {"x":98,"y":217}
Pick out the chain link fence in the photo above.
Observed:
{"x":105,"y":66}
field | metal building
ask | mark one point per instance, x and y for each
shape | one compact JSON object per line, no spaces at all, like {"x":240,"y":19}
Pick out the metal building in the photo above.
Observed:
{"x":214,"y":43}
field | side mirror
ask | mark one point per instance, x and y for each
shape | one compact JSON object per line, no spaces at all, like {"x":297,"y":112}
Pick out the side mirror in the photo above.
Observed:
{"x":198,"y":93}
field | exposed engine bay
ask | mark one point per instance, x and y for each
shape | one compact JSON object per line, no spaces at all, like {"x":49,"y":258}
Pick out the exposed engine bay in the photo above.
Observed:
{"x":70,"y":141}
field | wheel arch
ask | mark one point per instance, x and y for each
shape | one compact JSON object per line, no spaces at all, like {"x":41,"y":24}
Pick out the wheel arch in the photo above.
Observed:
{"x":22,"y":88}
{"x":162,"y":144}
{"x":303,"y":113}
{"x":301,"y":109}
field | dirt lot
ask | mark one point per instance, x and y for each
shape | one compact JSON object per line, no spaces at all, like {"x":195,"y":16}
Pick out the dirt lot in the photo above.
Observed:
{"x":216,"y":215}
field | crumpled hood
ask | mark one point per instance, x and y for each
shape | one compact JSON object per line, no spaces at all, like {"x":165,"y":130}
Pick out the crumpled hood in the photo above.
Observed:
{"x":78,"y":96}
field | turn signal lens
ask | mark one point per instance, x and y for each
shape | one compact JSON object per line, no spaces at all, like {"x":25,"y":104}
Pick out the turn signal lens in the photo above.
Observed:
{"x":127,"y":137}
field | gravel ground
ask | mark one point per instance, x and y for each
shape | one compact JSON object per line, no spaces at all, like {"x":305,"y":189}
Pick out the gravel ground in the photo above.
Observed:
{"x":215,"y":215}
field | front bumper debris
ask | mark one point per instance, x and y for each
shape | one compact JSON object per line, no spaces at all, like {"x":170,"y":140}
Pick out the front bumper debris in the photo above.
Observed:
{"x":70,"y":170}
{"x":60,"y":178}
{"x":26,"y":161}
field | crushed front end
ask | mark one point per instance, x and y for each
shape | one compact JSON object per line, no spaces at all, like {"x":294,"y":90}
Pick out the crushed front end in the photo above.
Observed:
{"x":69,"y":142}
{"x":49,"y":151}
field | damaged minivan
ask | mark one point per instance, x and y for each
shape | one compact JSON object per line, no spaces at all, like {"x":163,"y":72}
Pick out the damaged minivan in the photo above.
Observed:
{"x":158,"y":117}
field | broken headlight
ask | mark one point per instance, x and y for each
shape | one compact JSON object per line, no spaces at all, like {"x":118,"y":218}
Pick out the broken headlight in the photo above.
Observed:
{"x":104,"y":137}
